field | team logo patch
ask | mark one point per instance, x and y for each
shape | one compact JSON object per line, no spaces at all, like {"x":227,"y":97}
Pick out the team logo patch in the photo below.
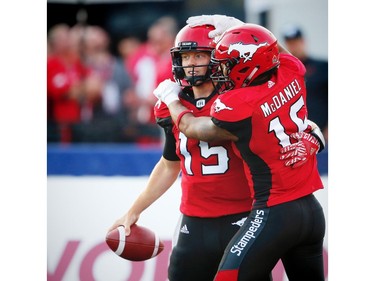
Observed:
{"x":200,"y":103}
{"x":219,"y":106}
{"x":270,"y":84}
{"x":246,"y":51}
{"x":240,"y":222}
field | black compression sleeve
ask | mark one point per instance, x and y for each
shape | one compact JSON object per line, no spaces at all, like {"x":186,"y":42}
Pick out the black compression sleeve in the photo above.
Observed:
{"x":169,"y":151}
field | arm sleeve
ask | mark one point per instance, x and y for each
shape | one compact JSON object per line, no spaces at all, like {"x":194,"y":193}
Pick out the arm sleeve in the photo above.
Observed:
{"x":169,"y":151}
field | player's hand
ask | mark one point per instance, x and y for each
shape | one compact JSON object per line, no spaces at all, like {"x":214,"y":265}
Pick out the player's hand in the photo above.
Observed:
{"x":167,"y":91}
{"x":314,"y":130}
{"x":126,"y":220}
{"x":220,"y":22}
{"x":298,"y":153}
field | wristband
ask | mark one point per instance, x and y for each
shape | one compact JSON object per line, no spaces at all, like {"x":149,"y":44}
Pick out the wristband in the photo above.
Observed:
{"x":317,"y":133}
{"x":180,"y":116}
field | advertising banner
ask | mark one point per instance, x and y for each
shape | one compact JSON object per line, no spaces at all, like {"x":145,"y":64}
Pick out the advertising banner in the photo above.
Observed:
{"x":81,"y":209}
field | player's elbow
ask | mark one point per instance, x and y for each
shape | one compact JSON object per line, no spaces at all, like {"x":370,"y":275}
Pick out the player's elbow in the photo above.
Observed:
{"x":188,"y":130}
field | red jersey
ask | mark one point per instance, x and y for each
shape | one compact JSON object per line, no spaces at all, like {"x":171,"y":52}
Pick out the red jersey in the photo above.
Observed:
{"x":213,"y":181}
{"x":263,"y":117}
{"x":60,"y":79}
{"x":147,"y":70}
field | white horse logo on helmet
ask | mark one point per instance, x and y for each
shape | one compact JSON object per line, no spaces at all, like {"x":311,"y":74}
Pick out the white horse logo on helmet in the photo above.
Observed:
{"x":246,"y":51}
{"x":219,"y":106}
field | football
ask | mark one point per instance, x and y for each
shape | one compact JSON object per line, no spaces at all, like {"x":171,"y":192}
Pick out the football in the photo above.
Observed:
{"x":142,"y":243}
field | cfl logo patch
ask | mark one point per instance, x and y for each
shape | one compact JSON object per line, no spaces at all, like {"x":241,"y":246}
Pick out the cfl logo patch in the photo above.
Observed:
{"x":200,"y":103}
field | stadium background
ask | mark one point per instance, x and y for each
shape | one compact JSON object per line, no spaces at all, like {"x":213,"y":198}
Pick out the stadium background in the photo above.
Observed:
{"x":89,"y":186}
{"x":121,"y":17}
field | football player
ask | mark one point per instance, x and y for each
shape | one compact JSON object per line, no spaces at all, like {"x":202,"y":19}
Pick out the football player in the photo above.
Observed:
{"x":215,"y":198}
{"x":262,"y":111}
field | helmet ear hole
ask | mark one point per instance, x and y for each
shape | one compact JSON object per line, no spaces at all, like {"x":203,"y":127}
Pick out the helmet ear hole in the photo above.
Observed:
{"x":177,"y":70}
{"x":178,"y":73}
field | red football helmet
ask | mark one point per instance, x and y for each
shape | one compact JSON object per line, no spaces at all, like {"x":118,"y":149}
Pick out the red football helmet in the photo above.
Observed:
{"x":191,"y":39}
{"x":243,"y":53}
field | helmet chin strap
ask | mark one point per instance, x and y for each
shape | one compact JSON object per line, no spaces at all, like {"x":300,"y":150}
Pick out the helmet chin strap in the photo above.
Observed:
{"x":196,"y":80}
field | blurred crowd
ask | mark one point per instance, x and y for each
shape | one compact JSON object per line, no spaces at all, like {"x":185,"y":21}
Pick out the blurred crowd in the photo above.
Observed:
{"x":94,"y":95}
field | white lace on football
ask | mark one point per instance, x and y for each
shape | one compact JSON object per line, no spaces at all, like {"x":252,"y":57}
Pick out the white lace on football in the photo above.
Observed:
{"x":156,"y":247}
{"x":122,"y":238}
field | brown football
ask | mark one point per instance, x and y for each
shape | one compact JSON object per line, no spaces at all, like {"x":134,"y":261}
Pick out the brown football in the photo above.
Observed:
{"x":142,"y":243}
